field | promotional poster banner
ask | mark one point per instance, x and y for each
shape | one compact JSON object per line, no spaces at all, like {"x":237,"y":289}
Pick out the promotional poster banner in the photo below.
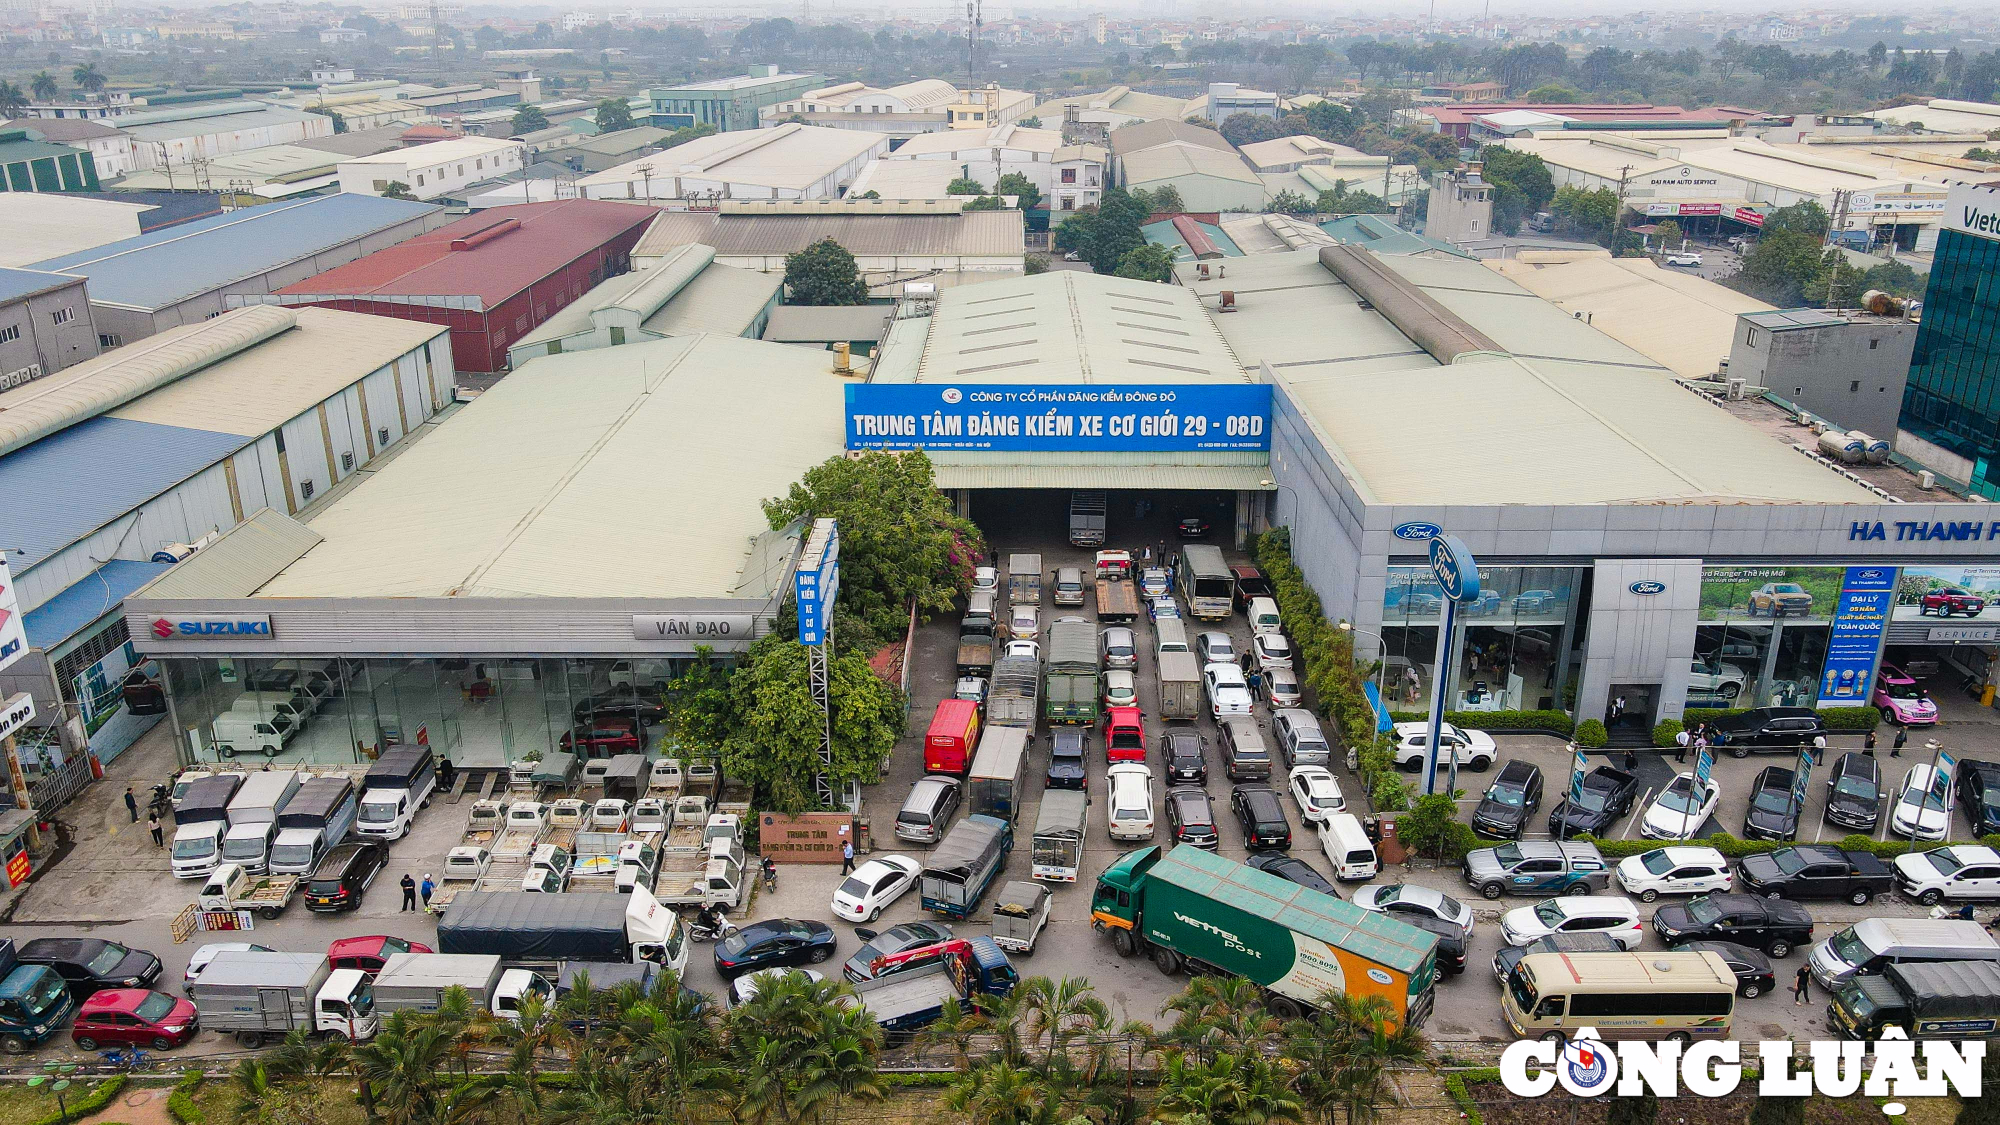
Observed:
{"x":1861,"y":614}
{"x":1067,"y":417}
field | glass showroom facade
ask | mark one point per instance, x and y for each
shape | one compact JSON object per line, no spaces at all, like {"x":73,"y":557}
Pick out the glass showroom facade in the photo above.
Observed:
{"x":1952,"y":399}
{"x":1519,"y":643}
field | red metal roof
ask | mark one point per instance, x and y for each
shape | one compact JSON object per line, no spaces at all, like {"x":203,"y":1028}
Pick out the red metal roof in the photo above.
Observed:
{"x":491,"y":255}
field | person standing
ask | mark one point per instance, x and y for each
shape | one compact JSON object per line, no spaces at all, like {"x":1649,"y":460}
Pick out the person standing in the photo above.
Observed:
{"x":131,"y":804}
{"x":1800,"y":981}
{"x":425,"y":888}
{"x":1631,"y":760}
{"x":1681,"y":740}
{"x":153,"y":822}
{"x":846,"y":856}
{"x":1902,"y":740}
{"x":1868,"y":744}
{"x":409,"y":892}
{"x":1617,"y":710}
{"x":1819,"y":750}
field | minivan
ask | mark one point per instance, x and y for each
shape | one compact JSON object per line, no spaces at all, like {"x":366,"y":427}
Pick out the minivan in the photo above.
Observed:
{"x":927,"y":809}
{"x":1298,"y":734}
{"x":343,"y":874}
{"x":237,"y":732}
{"x":1264,"y":617}
{"x":1870,"y":945}
{"x":1069,"y":586}
{"x":1170,"y":636}
{"x":1348,"y":848}
{"x":267,"y":704}
{"x":979,"y":617}
{"x":1245,"y":754}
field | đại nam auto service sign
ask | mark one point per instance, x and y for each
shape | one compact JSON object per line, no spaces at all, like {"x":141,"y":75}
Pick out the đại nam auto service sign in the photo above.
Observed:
{"x":1066,"y":417}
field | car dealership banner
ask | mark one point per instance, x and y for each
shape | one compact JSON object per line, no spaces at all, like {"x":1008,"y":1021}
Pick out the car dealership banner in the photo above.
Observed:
{"x":1860,"y":617}
{"x":1066,"y":417}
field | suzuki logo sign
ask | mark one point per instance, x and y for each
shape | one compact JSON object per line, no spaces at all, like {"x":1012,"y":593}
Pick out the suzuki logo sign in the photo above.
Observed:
{"x":163,"y":628}
{"x":202,"y":626}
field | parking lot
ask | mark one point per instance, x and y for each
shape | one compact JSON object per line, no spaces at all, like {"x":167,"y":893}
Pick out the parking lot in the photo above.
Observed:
{"x":113,"y":884}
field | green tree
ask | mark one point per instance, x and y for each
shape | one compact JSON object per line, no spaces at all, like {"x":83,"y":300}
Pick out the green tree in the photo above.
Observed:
{"x":339,"y":122}
{"x":1147,"y":263}
{"x":12,"y":100}
{"x":776,"y":744}
{"x":1302,"y":62}
{"x":1593,"y":212}
{"x":798,"y":1051}
{"x":1799,"y":218}
{"x":1340,"y":201}
{"x":985,"y":203}
{"x":1002,"y":1094}
{"x":396,"y":189}
{"x":1162,"y":200}
{"x":1668,"y":232}
{"x":1554,"y":93}
{"x":1331,"y":121}
{"x":1289,"y":202}
{"x":1780,"y":267}
{"x":964,"y":185}
{"x":1229,"y":1089}
{"x":1242,"y":129}
{"x":1214,"y":1014}
{"x":1896,"y":278}
{"x":529,"y":119}
{"x":613,"y":114}
{"x":88,"y":78}
{"x":1522,"y":185}
{"x":1345,"y":1051}
{"x":1432,"y":828}
{"x":44,"y":86}
{"x":1114,"y":230}
{"x":1014,"y":183}
{"x":824,"y":274}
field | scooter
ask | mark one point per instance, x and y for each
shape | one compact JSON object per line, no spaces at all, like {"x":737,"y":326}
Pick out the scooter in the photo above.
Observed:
{"x":770,"y":875}
{"x":707,"y":928}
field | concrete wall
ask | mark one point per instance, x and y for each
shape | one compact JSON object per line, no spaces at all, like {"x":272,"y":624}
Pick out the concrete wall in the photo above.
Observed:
{"x":42,"y":342}
{"x":1850,"y":373}
{"x":1644,"y":639}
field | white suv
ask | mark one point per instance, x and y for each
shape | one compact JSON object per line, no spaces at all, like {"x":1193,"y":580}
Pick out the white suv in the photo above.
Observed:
{"x":1596,"y":914}
{"x":1473,"y":748}
{"x":1228,"y":691}
{"x":1130,"y":801}
{"x":1958,"y":871}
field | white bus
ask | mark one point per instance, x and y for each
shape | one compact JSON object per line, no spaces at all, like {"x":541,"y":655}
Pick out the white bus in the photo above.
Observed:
{"x":1677,"y":996}
{"x":1206,"y":581}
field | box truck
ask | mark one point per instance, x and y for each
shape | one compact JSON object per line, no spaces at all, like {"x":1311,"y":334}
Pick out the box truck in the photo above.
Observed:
{"x":1024,"y":579}
{"x":320,"y":815}
{"x":1012,"y":698}
{"x":1059,"y":835}
{"x":201,"y":819}
{"x":963,"y":864}
{"x":260,"y":996}
{"x":1180,"y":686}
{"x":417,"y":982}
{"x":1086,"y":519}
{"x":1071,"y":694}
{"x":399,"y":783}
{"x":949,"y":741}
{"x":1192,"y":909}
{"x":253,"y":818}
{"x":999,"y":772}
{"x":537,"y":931}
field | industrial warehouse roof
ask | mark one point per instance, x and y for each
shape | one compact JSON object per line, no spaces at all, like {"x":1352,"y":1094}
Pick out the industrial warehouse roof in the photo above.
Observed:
{"x":46,"y":224}
{"x":485,"y":258}
{"x":1292,"y":312}
{"x":906,"y":179}
{"x":1069,"y":327}
{"x":262,"y":116}
{"x":1514,"y":318}
{"x":85,"y":600}
{"x":1170,"y":161}
{"x":274,"y":171}
{"x":789,"y":157}
{"x":1681,"y":321}
{"x":827,"y":324}
{"x":1943,"y":115}
{"x":1117,"y":99}
{"x":435,"y":152}
{"x":358,"y":142}
{"x":622,"y":141}
{"x":532,"y":490}
{"x":242,"y":559}
{"x":981,"y":141}
{"x":972,"y":233}
{"x":1240,"y":472}
{"x":17,"y":284}
{"x":721,"y":299}
{"x":170,"y":265}
{"x":1146,"y":134}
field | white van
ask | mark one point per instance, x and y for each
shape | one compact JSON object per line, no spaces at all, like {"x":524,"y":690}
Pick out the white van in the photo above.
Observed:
{"x":1348,"y":848}
{"x":1263,"y":614}
{"x":240,"y":732}
{"x":1873,"y":944}
{"x":291,"y":707}
{"x":1171,"y":636}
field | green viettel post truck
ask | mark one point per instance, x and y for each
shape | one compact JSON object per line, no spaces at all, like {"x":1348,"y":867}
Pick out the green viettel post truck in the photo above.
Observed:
{"x":1191,"y":909}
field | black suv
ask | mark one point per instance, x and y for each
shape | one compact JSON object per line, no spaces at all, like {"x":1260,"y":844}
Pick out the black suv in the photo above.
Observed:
{"x":1979,"y":794}
{"x":1775,"y":925}
{"x":1185,"y":752}
{"x":89,"y":965}
{"x":1191,"y":819}
{"x":1774,"y":812}
{"x":1854,"y":792}
{"x":1510,"y":801}
{"x":1067,"y":749}
{"x":1262,"y":816}
{"x":1292,"y":869}
{"x":1766,"y":728}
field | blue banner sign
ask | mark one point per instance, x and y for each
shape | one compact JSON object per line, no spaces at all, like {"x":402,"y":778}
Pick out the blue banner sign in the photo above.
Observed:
{"x":1867,"y":593}
{"x":1704,"y":763}
{"x":1066,"y":417}
{"x":816,"y":582}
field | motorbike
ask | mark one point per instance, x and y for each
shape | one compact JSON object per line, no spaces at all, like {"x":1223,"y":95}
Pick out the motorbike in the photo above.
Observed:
{"x":770,"y":876}
{"x":161,"y":802}
{"x":707,"y":928}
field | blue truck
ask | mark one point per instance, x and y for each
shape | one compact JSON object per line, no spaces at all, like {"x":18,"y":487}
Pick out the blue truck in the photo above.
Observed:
{"x":964,"y":864}
{"x":910,"y":989}
{"x":34,"y":1002}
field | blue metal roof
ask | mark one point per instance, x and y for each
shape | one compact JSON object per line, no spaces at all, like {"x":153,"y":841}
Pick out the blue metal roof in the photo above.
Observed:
{"x":15,"y":284}
{"x":72,"y":611}
{"x":165,"y":266}
{"x":69,"y":484}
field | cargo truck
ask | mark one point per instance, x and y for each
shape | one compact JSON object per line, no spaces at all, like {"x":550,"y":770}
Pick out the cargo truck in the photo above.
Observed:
{"x":650,"y":816}
{"x":526,"y":822}
{"x":260,"y":996}
{"x":463,"y":868}
{"x":253,"y":818}
{"x":613,"y":862}
{"x":1116,"y":601}
{"x":702,"y":862}
{"x":964,"y":864}
{"x":904,"y":1000}
{"x":975,"y":655}
{"x":1024,"y":579}
{"x":1071,"y":695}
{"x":398,"y":785}
{"x":1927,"y":1000}
{"x":567,"y":817}
{"x":320,"y":815}
{"x":1180,"y":686}
{"x":952,"y":737}
{"x":1087,"y":519}
{"x":484,"y":824}
{"x":417,"y":982}
{"x":1011,"y":700}
{"x":1059,"y":836}
{"x":537,"y":931}
{"x":232,"y":887}
{"x":1191,"y":909}
{"x":201,"y":818}
{"x":34,"y":1002}
{"x":999,"y":774}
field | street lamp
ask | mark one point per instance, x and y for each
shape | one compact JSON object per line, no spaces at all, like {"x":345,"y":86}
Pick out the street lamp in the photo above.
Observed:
{"x":1381,"y":659}
{"x":1268,"y":483}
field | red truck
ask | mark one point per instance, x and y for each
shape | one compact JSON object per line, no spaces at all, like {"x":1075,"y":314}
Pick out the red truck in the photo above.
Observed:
{"x":1952,"y":600}
{"x":1124,"y":735}
{"x":952,"y":737}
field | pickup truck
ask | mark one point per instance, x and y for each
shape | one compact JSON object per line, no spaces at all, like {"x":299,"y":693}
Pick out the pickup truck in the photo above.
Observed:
{"x":463,"y":868}
{"x":1815,"y":871}
{"x":649,"y":820}
{"x":1607,"y":795}
{"x":484,"y":824}
{"x":567,"y":817}
{"x":526,"y":821}
{"x":230,"y":888}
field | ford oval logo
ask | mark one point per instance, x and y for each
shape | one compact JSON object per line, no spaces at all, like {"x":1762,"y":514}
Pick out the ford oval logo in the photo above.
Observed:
{"x":1418,"y":532}
{"x":1647,"y":589}
{"x":1870,"y":575}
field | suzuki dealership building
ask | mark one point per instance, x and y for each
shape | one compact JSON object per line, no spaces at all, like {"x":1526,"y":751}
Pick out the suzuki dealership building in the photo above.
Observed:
{"x":592,"y":519}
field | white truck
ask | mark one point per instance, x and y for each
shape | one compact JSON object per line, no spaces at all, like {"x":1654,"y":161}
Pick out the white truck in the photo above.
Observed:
{"x":231,"y":887}
{"x":395,"y":789}
{"x":200,"y":820}
{"x":567,"y":817}
{"x":702,"y":862}
{"x":649,"y":820}
{"x":548,"y":870}
{"x":319,"y":815}
{"x":526,"y":823}
{"x":613,"y":862}
{"x":418,"y":982}
{"x":665,"y":780}
{"x":235,"y":732}
{"x":261,"y":996}
{"x":253,"y":818}
{"x":484,"y":824}
{"x":463,"y":869}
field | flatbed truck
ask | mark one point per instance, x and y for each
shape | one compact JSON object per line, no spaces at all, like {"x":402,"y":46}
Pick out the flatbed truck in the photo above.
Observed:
{"x":1117,"y":601}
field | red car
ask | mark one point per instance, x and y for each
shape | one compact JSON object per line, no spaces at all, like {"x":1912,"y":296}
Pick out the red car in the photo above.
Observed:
{"x":369,"y":954}
{"x":604,"y":738}
{"x":136,"y":1016}
{"x":1124,"y":735}
{"x":1951,"y":600}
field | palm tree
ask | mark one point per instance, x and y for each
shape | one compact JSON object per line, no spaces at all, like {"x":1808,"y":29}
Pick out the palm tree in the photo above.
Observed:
{"x":253,"y":1090}
{"x":954,"y":1028}
{"x":791,"y":1018}
{"x":1347,"y":1049}
{"x":12,"y":100}
{"x":538,"y":1029}
{"x":403,"y":1068}
{"x":45,"y":87}
{"x":841,"y":1066}
{"x":1220,"y":1014}
{"x":1229,"y":1090}
{"x":1002,"y":1094}
{"x":1061,"y":1010}
{"x":87,"y":77}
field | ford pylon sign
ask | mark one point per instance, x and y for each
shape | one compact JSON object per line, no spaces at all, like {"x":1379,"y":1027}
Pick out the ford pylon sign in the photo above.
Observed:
{"x":1068,"y":417}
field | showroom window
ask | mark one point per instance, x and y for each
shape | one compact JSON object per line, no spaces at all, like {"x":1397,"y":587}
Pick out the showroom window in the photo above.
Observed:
{"x":1762,"y":635}
{"x":1517,"y":643}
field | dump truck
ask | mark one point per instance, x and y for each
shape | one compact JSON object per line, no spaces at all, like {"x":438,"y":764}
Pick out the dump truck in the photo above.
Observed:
{"x":1180,"y":686}
{"x":1188,"y":908}
{"x":1117,"y":602}
{"x":964,"y":864}
{"x":1927,"y":1000}
{"x":484,"y":824}
{"x":1011,"y":700}
{"x":417,"y":982}
{"x":1071,"y":694}
{"x":260,"y":996}
{"x":539,"y":931}
{"x":1086,"y":519}
{"x":1024,"y":579}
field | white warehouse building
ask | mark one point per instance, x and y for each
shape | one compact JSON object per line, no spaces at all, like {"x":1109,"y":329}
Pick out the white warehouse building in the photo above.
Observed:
{"x":790,"y":161}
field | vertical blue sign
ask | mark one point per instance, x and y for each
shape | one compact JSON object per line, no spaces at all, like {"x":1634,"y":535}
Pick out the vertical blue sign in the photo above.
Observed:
{"x":1859,"y":618}
{"x":816,"y":582}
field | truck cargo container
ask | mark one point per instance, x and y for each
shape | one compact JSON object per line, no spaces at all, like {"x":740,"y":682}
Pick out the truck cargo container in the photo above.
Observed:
{"x":201,"y":818}
{"x":253,"y":818}
{"x":417,"y":982}
{"x":952,"y":736}
{"x":1071,"y":693}
{"x":1024,"y":579}
{"x":320,"y":815}
{"x":556,"y":772}
{"x":703,"y":863}
{"x":261,"y":996}
{"x":535,"y":930}
{"x":625,"y":778}
{"x":964,"y":864}
{"x":396,"y":787}
{"x":999,"y":774}
{"x":1928,"y":1000}
{"x":1180,"y":686}
{"x":1060,"y":831}
{"x":1117,"y":601}
{"x":1013,"y":697}
{"x":1190,"y":908}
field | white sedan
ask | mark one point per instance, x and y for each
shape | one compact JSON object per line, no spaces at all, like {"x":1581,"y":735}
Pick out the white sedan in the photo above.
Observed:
{"x":1674,"y":871}
{"x":1923,"y":804}
{"x":1473,"y":748}
{"x":745,"y":987}
{"x":1317,"y":793}
{"x":1681,"y":808}
{"x":863,"y":895}
{"x":1228,"y":691}
{"x":1408,"y":898}
{"x":1026,"y":623}
{"x":1121,"y":688}
{"x":1272,"y":651}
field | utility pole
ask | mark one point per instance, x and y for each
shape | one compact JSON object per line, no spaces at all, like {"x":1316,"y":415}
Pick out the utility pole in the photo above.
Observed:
{"x":1618,"y":214}
{"x":973,"y":13}
{"x":437,"y":41}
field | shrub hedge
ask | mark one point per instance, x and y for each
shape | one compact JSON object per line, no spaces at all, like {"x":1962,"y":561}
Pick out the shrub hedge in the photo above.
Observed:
{"x":1665,"y":731}
{"x":1855,"y":720}
{"x":1591,"y":735}
{"x":180,"y":1104}
{"x":1557,"y":723}
{"x":98,"y":1097}
{"x":1733,"y":848}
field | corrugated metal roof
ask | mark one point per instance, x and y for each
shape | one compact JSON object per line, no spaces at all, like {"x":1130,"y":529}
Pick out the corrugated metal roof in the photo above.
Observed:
{"x":532,"y":490}
{"x":789,"y":156}
{"x":973,"y":234}
{"x":149,"y":131}
{"x":1146,"y":134}
{"x":815,"y":324}
{"x":244,"y":558}
{"x":94,"y":472}
{"x":44,"y":224}
{"x":724,"y":300}
{"x":1164,"y":162}
{"x":1245,"y":472}
{"x":1780,"y":320}
{"x":266,"y":385}
{"x":1680,"y":321}
{"x":17,"y":284}
{"x":1514,"y":318}
{"x":167,"y":266}
{"x":84,"y":601}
